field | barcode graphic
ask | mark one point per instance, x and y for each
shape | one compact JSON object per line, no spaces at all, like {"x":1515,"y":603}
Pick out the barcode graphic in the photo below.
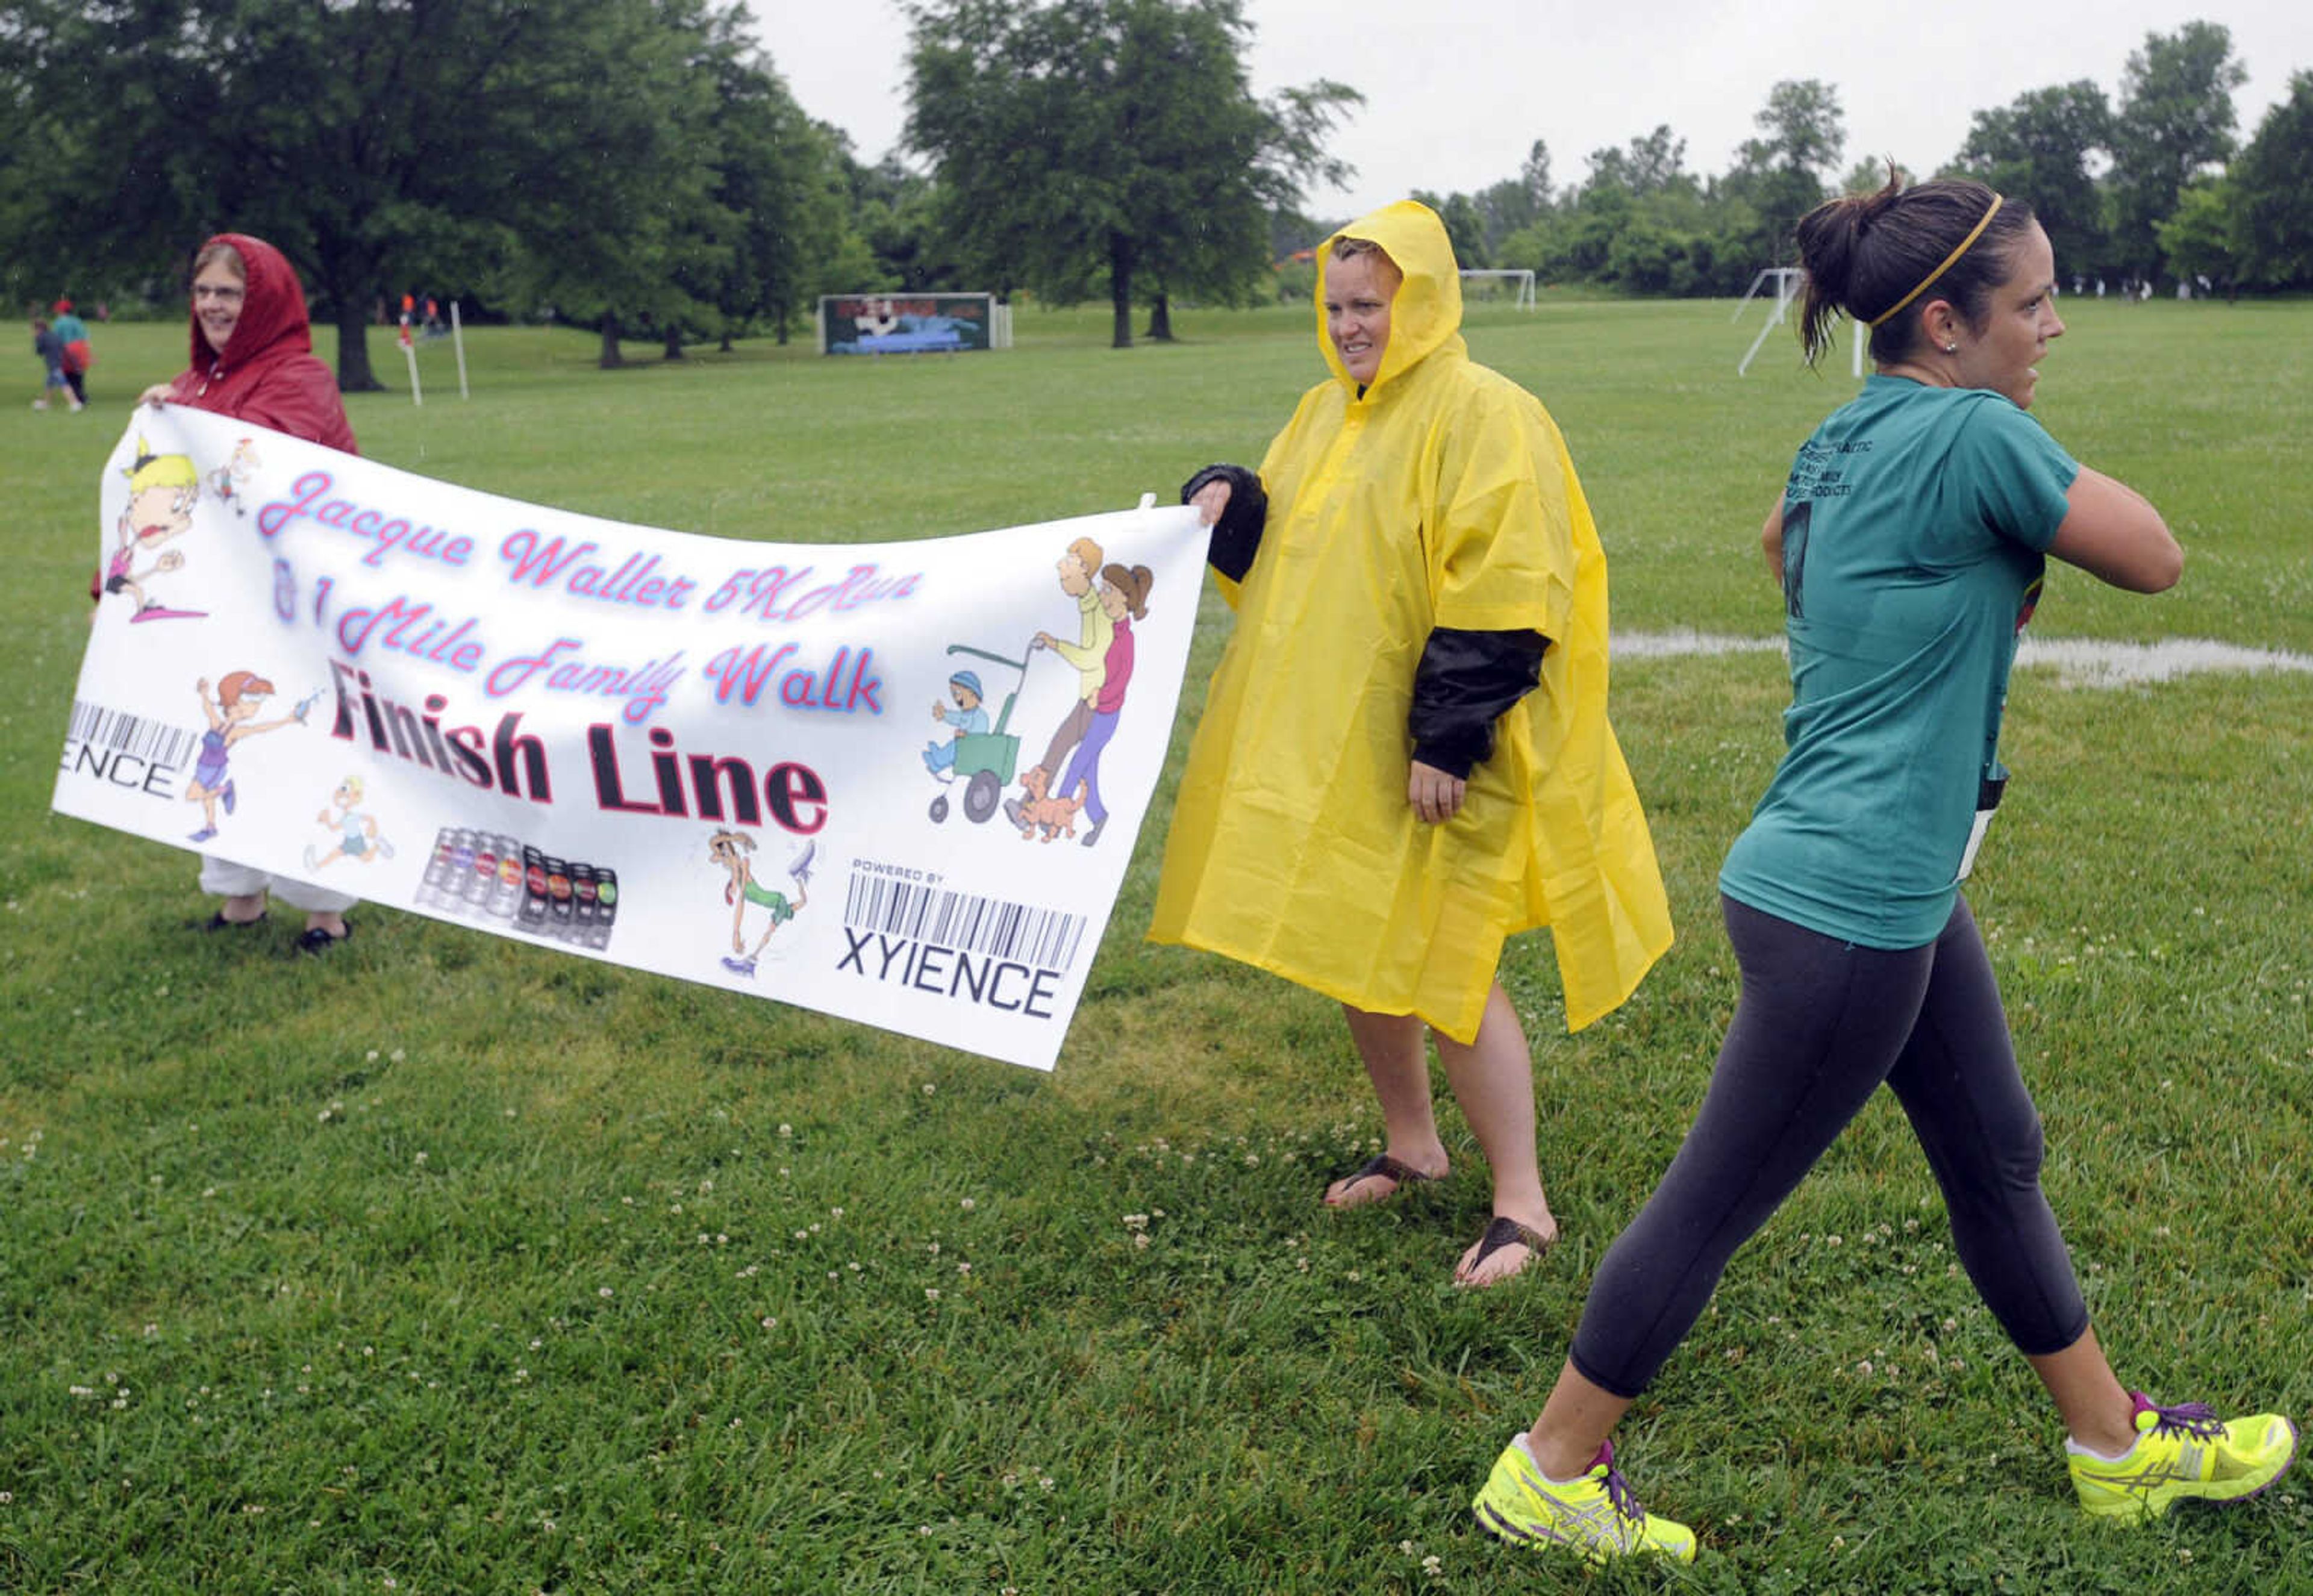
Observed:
{"x":1043,"y":938}
{"x":157,"y":743}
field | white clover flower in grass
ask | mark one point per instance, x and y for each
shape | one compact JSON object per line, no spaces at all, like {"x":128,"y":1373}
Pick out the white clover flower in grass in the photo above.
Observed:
{"x":968,"y":1205}
{"x":604,"y":1291}
{"x":787,"y":1130}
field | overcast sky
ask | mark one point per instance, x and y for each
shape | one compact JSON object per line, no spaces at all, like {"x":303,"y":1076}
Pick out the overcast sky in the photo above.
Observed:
{"x":1456,"y":90}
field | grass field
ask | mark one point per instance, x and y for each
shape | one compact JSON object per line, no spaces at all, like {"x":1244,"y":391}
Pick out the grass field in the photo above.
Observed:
{"x":450,"y":1264}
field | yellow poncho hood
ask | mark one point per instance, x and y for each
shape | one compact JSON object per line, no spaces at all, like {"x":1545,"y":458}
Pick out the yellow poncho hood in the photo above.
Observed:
{"x":1426,"y":314}
{"x":1438,"y":495}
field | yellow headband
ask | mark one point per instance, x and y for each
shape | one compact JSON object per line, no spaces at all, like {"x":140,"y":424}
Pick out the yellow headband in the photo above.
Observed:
{"x":1926,"y":282}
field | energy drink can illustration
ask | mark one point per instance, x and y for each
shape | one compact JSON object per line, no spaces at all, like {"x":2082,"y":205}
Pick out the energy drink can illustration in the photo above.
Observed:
{"x":606,"y":906}
{"x":534,"y":915}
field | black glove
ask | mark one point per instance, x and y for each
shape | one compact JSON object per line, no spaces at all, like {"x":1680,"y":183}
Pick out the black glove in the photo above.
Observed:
{"x":1237,"y":535}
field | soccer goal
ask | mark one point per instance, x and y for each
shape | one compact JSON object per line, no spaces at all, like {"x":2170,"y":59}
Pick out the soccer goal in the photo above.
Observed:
{"x":1787,"y":281}
{"x":1518,"y":282}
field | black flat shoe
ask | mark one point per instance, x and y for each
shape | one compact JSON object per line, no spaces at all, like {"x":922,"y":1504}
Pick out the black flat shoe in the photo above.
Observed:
{"x":315,"y":941}
{"x":218,"y":922}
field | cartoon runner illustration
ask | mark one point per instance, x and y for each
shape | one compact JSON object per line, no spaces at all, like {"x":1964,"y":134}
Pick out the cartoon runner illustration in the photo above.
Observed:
{"x":230,"y":480}
{"x":730,"y":850}
{"x":229,"y":715}
{"x":969,"y":719}
{"x":359,"y":838}
{"x":162,"y":490}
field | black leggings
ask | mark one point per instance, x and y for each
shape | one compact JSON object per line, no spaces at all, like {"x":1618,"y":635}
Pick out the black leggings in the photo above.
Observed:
{"x":1820,"y":1023}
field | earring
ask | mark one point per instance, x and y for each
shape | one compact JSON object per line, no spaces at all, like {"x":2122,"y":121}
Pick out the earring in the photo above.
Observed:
{"x":1951,"y":348}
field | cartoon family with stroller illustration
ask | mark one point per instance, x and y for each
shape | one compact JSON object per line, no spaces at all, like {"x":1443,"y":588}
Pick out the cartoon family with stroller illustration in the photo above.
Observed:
{"x":1109,"y":598}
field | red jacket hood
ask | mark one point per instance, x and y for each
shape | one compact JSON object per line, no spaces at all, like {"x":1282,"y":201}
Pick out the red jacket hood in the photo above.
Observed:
{"x":273,"y":321}
{"x":267,"y":373}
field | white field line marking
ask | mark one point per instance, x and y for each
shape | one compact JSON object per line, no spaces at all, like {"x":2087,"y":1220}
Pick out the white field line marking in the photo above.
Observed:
{"x":2078,"y":662}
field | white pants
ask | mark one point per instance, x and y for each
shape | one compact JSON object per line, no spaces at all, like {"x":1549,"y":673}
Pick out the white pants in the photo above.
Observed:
{"x":222,"y":878}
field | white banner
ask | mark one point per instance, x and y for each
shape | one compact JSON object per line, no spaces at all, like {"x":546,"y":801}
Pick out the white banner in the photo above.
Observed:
{"x":803,"y":771}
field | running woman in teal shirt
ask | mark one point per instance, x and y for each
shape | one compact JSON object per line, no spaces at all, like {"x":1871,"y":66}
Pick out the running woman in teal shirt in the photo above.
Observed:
{"x":1910,"y":541}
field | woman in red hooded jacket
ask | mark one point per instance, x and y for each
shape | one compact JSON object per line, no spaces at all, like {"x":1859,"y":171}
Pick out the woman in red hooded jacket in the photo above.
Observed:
{"x":252,"y":359}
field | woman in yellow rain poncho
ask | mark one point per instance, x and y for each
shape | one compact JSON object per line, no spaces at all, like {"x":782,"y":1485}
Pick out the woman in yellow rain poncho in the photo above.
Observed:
{"x":1405,"y":757}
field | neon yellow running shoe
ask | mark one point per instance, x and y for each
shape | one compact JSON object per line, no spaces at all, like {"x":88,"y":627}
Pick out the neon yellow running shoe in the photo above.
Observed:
{"x":1595,"y":1516}
{"x":2185,"y":1453}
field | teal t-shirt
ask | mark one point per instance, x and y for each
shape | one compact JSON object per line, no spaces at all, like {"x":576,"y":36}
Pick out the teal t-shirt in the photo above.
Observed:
{"x":1915,"y":523}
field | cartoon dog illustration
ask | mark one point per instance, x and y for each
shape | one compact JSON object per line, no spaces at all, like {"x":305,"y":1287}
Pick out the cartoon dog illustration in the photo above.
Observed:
{"x":1055,"y":817}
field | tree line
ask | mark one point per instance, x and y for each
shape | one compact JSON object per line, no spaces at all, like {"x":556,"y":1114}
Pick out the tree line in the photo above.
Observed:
{"x":2152,"y":190}
{"x":634,"y":165}
{"x":639,"y":167}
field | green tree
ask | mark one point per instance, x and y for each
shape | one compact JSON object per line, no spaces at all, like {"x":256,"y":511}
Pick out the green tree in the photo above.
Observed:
{"x":375,"y":142}
{"x":1077,"y":143}
{"x":780,"y":197}
{"x":898,"y":212}
{"x":2197,"y":237}
{"x":1465,"y":226}
{"x":1515,"y":202}
{"x":1780,"y":175}
{"x":2039,"y":148}
{"x":2271,"y":184}
{"x":2176,"y":122}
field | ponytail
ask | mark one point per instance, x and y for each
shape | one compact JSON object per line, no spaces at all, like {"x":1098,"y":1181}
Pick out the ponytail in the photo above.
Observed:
{"x":1881,"y":257}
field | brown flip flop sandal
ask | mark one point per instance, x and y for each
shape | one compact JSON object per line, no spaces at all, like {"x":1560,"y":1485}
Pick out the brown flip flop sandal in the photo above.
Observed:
{"x":1502,"y":1231}
{"x":1380,"y":1163}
